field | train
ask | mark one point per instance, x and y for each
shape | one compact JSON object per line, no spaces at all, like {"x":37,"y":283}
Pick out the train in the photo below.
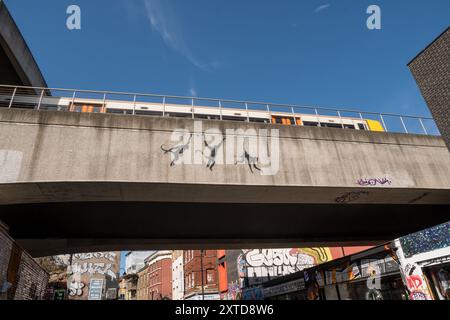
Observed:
{"x":85,"y":105}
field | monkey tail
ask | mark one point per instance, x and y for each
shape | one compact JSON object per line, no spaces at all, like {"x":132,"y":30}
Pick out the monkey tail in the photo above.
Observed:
{"x":166,"y":150}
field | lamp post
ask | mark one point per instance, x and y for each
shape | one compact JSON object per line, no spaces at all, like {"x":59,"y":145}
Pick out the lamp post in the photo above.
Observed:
{"x":201,"y":268}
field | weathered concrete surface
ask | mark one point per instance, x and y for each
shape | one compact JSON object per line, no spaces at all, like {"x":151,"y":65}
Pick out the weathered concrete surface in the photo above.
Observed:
{"x":63,"y":157}
{"x":96,"y":181}
{"x":18,"y":67}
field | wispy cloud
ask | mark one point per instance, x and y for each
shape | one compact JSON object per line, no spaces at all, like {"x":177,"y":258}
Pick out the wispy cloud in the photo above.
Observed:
{"x":192,"y":92}
{"x":322,"y":7}
{"x":164,"y":21}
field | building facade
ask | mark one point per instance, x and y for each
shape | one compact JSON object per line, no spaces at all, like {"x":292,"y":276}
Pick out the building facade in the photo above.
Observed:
{"x":177,"y":275}
{"x":240,"y":271}
{"x":160,"y":275}
{"x":201,"y":280}
{"x":143,"y":287}
{"x":431,"y":69}
{"x":130,"y":286}
{"x":373,"y":274}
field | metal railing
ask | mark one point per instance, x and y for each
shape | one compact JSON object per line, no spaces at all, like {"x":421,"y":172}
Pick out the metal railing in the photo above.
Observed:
{"x":10,"y":97}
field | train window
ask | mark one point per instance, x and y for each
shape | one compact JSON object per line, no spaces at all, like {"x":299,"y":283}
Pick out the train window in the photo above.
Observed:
{"x":332,"y":125}
{"x":361,"y":126}
{"x":181,"y":115}
{"x":207,"y":117}
{"x":234,"y":118}
{"x":310,"y":124}
{"x":259,"y":120}
{"x":349,"y":126}
{"x":119,"y":111}
{"x":148,"y":113}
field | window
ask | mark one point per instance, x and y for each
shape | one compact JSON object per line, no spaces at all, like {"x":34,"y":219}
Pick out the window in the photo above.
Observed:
{"x":210,"y":276}
{"x":361,"y":126}
{"x":310,"y":124}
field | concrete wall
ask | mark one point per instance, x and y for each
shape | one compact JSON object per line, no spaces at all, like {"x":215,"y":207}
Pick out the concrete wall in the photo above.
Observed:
{"x":63,"y":157}
{"x":431,"y":69}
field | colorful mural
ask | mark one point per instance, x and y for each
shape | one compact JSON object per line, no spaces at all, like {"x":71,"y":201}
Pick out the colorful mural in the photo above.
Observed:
{"x":427,"y":240}
{"x":254,"y":267}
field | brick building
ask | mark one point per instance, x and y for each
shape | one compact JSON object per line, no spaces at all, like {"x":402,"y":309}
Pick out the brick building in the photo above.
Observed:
{"x":431,"y":69}
{"x":160,"y":275}
{"x":142,"y":290}
{"x":21,"y":277}
{"x":194,"y":283}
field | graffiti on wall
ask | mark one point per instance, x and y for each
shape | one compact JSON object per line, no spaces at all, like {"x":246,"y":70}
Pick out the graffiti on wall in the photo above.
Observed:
{"x":213,"y":152}
{"x":234,"y":291}
{"x":94,"y":268}
{"x":373,"y":182}
{"x":111,"y":256}
{"x":416,"y":287}
{"x":257,"y":149}
{"x":426,"y":194}
{"x":76,"y":288}
{"x":351,"y":196}
{"x":257,"y":266}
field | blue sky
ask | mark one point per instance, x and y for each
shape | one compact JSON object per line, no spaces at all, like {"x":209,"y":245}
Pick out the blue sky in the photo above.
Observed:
{"x":304,"y":52}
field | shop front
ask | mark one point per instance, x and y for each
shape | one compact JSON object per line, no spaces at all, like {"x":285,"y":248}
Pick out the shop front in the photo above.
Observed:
{"x":424,"y":259}
{"x":370,"y":275}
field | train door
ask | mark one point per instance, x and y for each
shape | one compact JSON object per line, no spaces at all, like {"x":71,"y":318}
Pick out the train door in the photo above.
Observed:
{"x":87,"y":108}
{"x":287,"y":121}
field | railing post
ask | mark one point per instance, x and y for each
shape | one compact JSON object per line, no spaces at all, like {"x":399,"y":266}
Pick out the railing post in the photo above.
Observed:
{"x":193,"y":113}
{"x":220,"y":109}
{"x":318,"y":117}
{"x":134,"y":104}
{"x":12,"y":98}
{"x":340,"y":118}
{"x":246,"y":109}
{"x":104,"y":103}
{"x":164,"y":106}
{"x":384,"y":123}
{"x":40,"y":99}
{"x":293,"y":116}
{"x":270,"y":114}
{"x":72,"y":105}
{"x":423,"y":126}
{"x":403,"y":123}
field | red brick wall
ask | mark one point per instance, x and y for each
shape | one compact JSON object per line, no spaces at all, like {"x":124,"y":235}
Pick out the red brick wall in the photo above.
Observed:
{"x":160,"y":277}
{"x":28,"y":280}
{"x":193,"y":266}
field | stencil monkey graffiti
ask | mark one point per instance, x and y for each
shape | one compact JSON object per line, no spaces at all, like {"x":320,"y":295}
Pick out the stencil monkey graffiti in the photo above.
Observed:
{"x":177,"y":151}
{"x":213,"y":152}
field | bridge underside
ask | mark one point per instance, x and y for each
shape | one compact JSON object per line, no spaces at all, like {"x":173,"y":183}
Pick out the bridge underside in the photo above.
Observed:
{"x":56,"y":228}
